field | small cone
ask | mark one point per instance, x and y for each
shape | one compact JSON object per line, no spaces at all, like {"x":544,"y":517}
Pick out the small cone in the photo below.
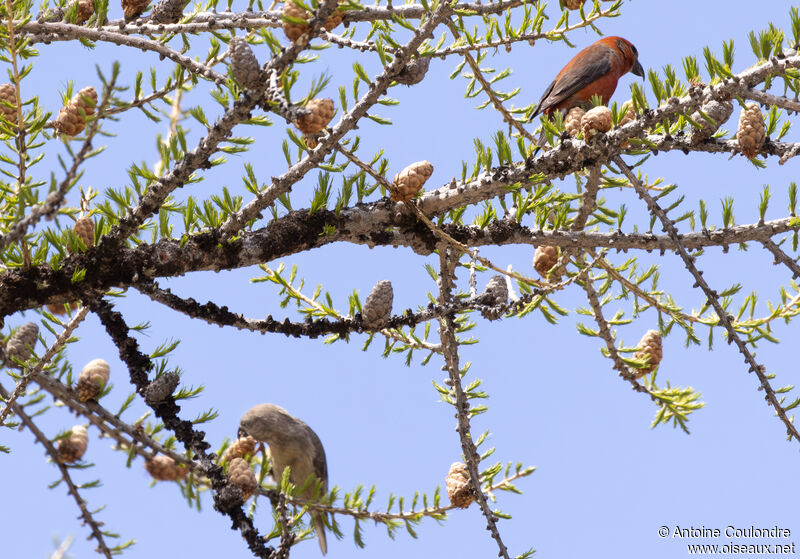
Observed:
{"x":321,"y":113}
{"x":85,"y":11}
{"x":72,"y":448}
{"x":495,"y":293}
{"x":240,"y":448}
{"x":8,"y":102}
{"x":296,"y":30}
{"x":544,"y":259}
{"x":414,"y":71}
{"x":134,"y":8}
{"x":92,"y":380}
{"x":72,"y":119}
{"x":649,"y":350}
{"x":751,"y":133}
{"x":161,"y":388}
{"x":84,"y":228}
{"x":244,"y":63}
{"x":164,"y":468}
{"x":168,"y":11}
{"x":241,"y":474}
{"x":572,"y":122}
{"x":378,"y":307}
{"x":459,"y":489}
{"x":598,"y":119}
{"x":573,"y":4}
{"x":60,"y":310}
{"x":408,"y":182}
{"x":21,"y":343}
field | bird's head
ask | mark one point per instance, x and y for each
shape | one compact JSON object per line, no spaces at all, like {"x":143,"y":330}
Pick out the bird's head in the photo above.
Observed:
{"x":629,"y":54}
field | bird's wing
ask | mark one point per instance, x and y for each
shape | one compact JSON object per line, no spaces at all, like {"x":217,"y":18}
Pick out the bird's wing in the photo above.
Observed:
{"x":573,"y":81}
{"x":319,"y":461}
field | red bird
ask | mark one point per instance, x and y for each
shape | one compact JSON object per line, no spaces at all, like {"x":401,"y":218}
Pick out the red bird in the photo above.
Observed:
{"x":594,"y":71}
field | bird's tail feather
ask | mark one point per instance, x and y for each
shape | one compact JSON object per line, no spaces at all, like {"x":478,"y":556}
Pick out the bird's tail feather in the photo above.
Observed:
{"x":319,"y":525}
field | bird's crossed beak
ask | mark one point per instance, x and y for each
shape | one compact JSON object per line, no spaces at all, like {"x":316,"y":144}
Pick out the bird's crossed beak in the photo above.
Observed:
{"x":637,"y":69}
{"x":241,"y":433}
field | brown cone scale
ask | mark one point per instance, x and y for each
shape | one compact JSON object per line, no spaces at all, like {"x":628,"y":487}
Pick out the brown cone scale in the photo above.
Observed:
{"x":596,"y":120}
{"x":544,"y":259}
{"x":572,"y":122}
{"x":751,"y":133}
{"x":241,"y":474}
{"x":8,"y":102}
{"x":72,"y":448}
{"x":320,"y":113}
{"x":240,"y":448}
{"x":408,"y":182}
{"x":134,"y":8}
{"x":296,"y":30}
{"x":164,"y":468}
{"x":72,"y":119}
{"x":459,"y":489}
{"x":93,"y":377}
{"x":649,"y":350}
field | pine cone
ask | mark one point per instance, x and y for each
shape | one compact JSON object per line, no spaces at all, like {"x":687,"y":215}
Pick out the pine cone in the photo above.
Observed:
{"x":572,"y":122}
{"x":72,"y":448}
{"x":72,"y":119}
{"x":84,"y":228}
{"x":134,"y":8}
{"x":244,"y":63}
{"x":296,"y":30}
{"x":573,"y":4}
{"x":649,"y":349}
{"x":8,"y":102}
{"x":168,"y":11}
{"x":378,"y":306}
{"x":161,"y":388}
{"x":241,"y":474}
{"x":409,"y":181}
{"x":93,"y":377}
{"x":314,"y":122}
{"x":240,"y":448}
{"x":718,"y":111}
{"x":459,"y":489}
{"x":596,"y":120}
{"x":414,"y":71}
{"x":164,"y":468}
{"x":21,"y":343}
{"x":751,"y":133}
{"x":85,"y":10}
{"x":59,"y":309}
{"x":544,"y":259}
{"x":495,"y":293}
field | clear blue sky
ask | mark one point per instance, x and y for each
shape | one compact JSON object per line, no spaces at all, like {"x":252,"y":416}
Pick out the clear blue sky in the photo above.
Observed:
{"x":605,"y":482}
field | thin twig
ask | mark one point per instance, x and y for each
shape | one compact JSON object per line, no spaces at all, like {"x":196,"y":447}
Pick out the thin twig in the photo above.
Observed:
{"x":19,"y":390}
{"x":86,"y":515}
{"x":450,"y":347}
{"x":726,"y":321}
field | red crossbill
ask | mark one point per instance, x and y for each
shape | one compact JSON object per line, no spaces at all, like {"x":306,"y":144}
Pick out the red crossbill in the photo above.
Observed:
{"x":594,"y":71}
{"x":291,"y":443}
